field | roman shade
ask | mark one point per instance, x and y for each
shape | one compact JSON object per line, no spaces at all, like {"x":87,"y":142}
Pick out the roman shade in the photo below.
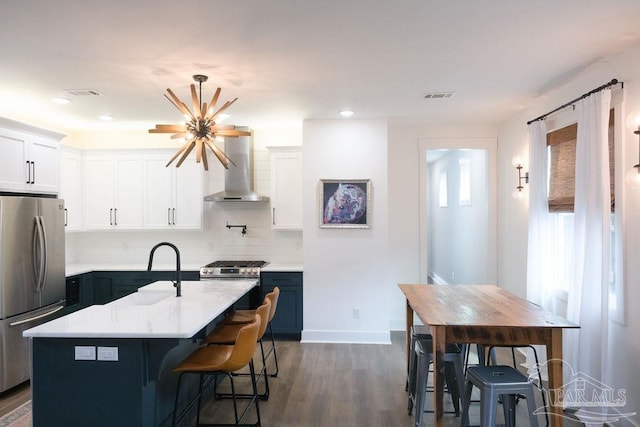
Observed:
{"x":561,"y":144}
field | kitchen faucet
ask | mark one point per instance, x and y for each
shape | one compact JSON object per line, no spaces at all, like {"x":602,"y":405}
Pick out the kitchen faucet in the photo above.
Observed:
{"x":177,"y":283}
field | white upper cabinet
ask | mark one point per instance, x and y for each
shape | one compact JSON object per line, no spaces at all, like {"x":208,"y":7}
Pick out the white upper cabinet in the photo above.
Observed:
{"x":29,"y":158}
{"x":71,"y":187}
{"x":173,"y":196}
{"x":113,"y":191}
{"x":286,"y":188}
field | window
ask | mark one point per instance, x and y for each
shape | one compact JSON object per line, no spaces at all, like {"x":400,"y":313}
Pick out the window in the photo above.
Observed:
{"x":561,"y":144}
{"x":464,"y":193}
{"x":442,"y":193}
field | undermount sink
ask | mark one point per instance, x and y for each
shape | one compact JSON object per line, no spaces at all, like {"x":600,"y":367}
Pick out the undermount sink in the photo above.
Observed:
{"x":146,"y":298}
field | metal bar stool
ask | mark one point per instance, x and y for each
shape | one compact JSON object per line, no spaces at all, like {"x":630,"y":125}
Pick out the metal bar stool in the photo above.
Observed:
{"x":245,"y":316}
{"x":498,"y":382}
{"x":228,"y":334}
{"x":539,"y":386}
{"x":454,"y":376}
{"x":221,"y":359}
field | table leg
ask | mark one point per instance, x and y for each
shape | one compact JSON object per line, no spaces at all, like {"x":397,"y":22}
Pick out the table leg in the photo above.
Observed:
{"x":409,"y":324}
{"x":554,"y":367}
{"x":439,"y":346}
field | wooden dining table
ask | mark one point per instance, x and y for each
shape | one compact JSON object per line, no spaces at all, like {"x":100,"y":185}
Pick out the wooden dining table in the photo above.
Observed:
{"x":487,"y":315}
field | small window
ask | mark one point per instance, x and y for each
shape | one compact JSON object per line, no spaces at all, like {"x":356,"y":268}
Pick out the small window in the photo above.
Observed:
{"x":464,"y":195}
{"x":442,"y":196}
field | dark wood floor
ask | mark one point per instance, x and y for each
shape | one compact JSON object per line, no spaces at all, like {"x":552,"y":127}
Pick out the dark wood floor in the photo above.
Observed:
{"x":328,"y":385}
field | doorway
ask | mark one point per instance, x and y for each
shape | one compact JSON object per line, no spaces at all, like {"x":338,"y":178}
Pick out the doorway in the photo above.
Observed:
{"x":458,"y":210}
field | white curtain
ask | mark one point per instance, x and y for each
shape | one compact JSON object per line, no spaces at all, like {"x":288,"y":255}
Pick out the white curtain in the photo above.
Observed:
{"x":588,"y":301}
{"x":539,"y":271}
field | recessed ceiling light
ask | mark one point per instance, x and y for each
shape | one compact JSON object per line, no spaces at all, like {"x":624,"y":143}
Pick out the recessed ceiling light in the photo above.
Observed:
{"x":346,"y":113}
{"x":106,"y":117}
{"x":61,"y":100}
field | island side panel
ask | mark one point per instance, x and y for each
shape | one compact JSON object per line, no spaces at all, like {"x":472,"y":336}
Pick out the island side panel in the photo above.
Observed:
{"x":136,"y":390}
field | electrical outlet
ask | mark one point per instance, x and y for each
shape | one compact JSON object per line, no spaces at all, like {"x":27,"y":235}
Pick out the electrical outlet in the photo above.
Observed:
{"x":85,"y":352}
{"x":356,"y":312}
{"x":109,"y":354}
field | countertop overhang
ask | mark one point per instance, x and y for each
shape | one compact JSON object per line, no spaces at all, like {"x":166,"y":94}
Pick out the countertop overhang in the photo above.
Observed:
{"x":152,"y":312}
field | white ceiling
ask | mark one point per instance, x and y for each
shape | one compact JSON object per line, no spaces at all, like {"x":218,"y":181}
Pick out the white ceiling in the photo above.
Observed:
{"x":287,"y":60}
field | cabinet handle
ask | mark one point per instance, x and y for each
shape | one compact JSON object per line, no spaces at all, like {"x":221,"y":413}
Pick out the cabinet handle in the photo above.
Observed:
{"x":174,"y":216}
{"x":273,"y":216}
{"x":33,"y":179}
{"x":111,"y":216}
{"x":66,"y":217}
{"x":115,"y":216}
{"x":28,"y":172}
{"x":168,"y":216}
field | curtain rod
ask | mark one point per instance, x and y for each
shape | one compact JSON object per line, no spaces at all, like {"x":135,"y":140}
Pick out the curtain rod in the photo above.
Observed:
{"x":613,"y":82}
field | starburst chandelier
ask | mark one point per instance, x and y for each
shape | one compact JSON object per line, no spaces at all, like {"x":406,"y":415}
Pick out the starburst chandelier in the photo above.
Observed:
{"x":200,"y":129}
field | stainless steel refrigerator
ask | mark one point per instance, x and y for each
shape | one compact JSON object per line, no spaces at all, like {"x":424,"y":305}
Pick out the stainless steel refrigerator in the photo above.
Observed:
{"x":32,"y":276}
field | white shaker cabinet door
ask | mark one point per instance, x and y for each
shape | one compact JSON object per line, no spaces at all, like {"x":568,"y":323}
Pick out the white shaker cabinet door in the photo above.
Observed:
{"x":13,"y":161}
{"x":286,"y":188}
{"x":99,"y":193}
{"x":158,"y":205}
{"x":71,"y":188}
{"x":44,"y":160}
{"x":188,"y":195}
{"x":129,"y":202}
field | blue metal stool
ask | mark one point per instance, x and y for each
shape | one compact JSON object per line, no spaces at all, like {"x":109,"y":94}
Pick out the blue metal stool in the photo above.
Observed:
{"x":454,"y":375}
{"x":497,"y":382}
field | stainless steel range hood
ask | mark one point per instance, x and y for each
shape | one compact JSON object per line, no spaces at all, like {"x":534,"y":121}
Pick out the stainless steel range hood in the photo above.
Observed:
{"x":238,"y":179}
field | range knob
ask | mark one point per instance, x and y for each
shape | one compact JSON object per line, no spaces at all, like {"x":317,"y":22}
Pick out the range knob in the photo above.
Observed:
{"x":242,"y":271}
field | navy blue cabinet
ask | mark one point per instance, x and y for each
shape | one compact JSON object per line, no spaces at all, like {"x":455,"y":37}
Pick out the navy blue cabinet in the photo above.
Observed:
{"x":287,"y":323}
{"x":101,"y":287}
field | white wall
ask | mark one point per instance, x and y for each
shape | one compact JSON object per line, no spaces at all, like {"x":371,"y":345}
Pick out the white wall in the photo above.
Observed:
{"x":624,"y":339}
{"x":346,"y":268}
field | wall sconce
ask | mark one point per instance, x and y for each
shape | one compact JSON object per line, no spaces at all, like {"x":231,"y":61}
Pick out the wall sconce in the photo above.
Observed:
{"x":518,"y":164}
{"x":633,"y":175}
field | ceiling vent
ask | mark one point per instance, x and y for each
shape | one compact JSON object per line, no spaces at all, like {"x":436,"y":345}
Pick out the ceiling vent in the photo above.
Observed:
{"x":83,"y":92}
{"x":438,"y":95}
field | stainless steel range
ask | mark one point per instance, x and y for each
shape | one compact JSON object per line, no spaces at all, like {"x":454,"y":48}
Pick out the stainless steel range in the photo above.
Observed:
{"x":232,"y":270}
{"x":237,"y":270}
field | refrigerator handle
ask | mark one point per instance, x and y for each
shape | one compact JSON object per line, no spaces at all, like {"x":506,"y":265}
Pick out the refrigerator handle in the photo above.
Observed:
{"x":45,"y":251}
{"x":39,"y":316}
{"x":37,"y":255}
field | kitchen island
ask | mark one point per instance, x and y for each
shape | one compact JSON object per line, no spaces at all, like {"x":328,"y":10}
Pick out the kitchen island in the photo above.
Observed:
{"x":111,"y":364}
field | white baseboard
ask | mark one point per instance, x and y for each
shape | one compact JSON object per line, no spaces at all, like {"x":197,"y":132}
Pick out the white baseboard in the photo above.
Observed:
{"x":346,"y":337}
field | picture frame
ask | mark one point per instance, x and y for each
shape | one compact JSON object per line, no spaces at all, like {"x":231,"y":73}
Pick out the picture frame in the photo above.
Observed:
{"x":345,"y":203}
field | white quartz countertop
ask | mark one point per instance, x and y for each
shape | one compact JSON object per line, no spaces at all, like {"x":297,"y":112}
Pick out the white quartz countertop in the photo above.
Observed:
{"x":281,"y":267}
{"x":152,"y":312}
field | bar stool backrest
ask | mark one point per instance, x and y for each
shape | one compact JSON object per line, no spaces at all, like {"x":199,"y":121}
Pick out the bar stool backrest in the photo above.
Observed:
{"x":273,"y":297}
{"x":244,"y":347}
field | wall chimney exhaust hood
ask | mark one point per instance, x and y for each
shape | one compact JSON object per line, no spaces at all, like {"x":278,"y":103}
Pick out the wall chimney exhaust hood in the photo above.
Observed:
{"x":238,"y":179}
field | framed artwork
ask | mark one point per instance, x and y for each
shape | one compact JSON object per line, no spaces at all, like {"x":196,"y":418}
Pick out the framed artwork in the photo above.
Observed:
{"x":345,"y":203}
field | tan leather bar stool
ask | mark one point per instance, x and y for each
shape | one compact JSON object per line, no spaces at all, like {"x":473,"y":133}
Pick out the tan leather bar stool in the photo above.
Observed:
{"x":244,"y":316}
{"x":221,"y":360}
{"x":228,"y":334}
